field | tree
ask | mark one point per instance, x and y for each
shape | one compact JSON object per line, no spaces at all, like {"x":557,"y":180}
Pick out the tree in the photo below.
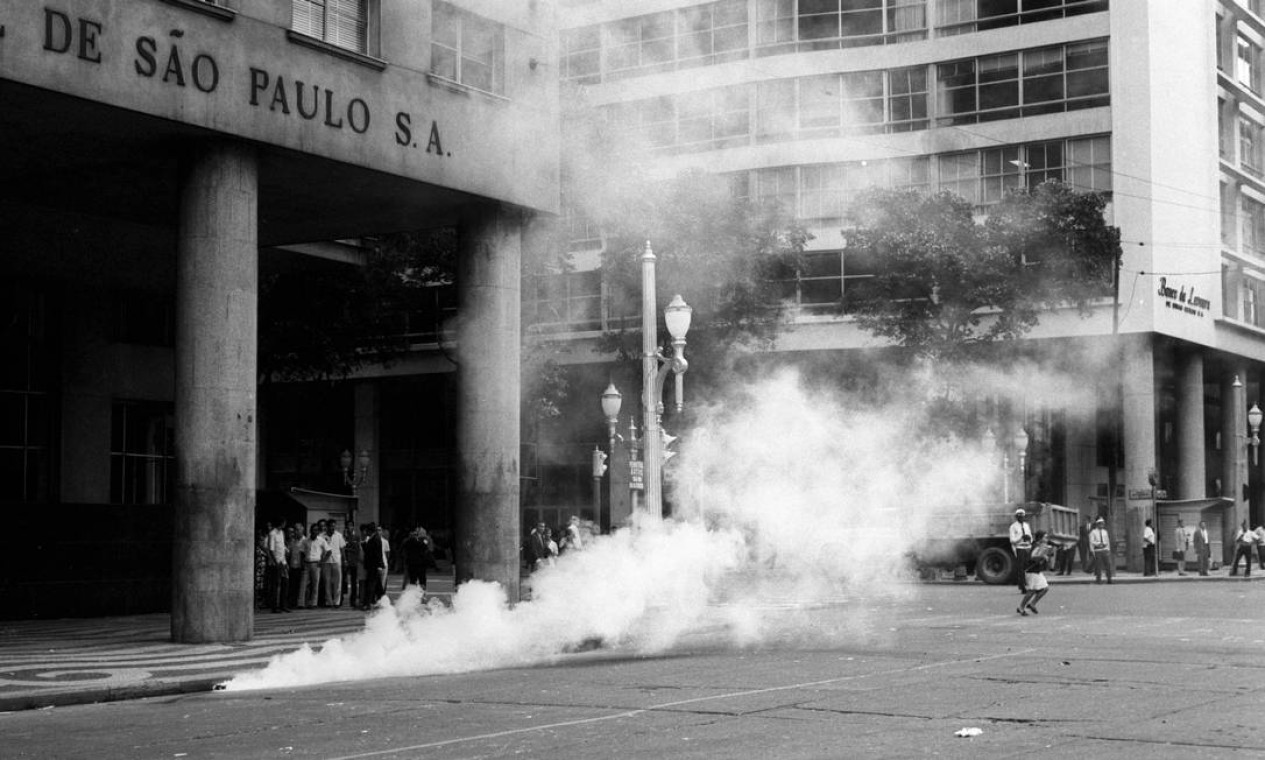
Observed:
{"x":947,"y":287}
{"x":327,"y":320}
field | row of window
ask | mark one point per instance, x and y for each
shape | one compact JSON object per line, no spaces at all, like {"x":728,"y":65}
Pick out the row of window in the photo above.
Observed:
{"x":465,"y":48}
{"x":1021,"y":83}
{"x":820,"y":193}
{"x":729,"y":30}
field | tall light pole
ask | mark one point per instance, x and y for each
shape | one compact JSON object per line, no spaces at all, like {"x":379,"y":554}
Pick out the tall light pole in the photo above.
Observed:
{"x":1021,"y":450}
{"x":677,"y":316}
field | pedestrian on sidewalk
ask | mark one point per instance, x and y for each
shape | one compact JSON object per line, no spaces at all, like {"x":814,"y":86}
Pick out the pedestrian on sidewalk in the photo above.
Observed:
{"x":1021,"y":544}
{"x":1203,"y":548}
{"x":1100,"y":544}
{"x":296,"y":547}
{"x":377,"y":557}
{"x":1082,"y":544}
{"x":1149,"y":566}
{"x":417,"y":557}
{"x":1034,"y":572}
{"x":1244,"y":539}
{"x":1260,"y":545}
{"x":1181,"y":543}
{"x":332,"y":565}
{"x":353,"y":566}
{"x":317,"y":548}
{"x":278,"y":569}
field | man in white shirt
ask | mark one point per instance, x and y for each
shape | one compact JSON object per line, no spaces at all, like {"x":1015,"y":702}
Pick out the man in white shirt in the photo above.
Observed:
{"x":317,"y":549}
{"x":332,"y":566}
{"x":1021,"y":545}
{"x":1100,"y":545}
{"x":1149,"y":560}
{"x":278,"y":583}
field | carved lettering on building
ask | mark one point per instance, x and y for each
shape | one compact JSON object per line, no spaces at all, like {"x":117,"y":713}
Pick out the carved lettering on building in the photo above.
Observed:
{"x":171,"y":61}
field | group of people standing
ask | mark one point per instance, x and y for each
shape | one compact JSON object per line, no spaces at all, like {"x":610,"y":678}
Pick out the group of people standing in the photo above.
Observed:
{"x":1034,"y":554}
{"x":541,"y":550}
{"x":327,"y":567}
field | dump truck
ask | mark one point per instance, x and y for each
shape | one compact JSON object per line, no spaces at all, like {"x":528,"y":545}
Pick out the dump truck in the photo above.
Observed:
{"x":978,"y":539}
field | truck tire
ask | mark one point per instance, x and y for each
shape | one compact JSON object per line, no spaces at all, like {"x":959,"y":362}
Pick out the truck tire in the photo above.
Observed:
{"x":995,"y":566}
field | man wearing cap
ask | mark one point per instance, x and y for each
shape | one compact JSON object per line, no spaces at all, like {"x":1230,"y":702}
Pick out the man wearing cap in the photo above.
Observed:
{"x":1100,"y":545}
{"x":1021,"y":545}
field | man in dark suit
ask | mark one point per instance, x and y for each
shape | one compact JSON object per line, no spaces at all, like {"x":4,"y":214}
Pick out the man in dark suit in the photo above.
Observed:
{"x":1203,"y":550}
{"x":537,"y":548}
{"x":375,"y":565}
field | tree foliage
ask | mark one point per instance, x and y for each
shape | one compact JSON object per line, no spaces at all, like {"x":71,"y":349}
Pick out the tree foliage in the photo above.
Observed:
{"x":946,"y":285}
{"x":326,"y":320}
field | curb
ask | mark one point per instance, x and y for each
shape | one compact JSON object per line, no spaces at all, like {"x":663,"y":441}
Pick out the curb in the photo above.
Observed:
{"x":49,"y":700}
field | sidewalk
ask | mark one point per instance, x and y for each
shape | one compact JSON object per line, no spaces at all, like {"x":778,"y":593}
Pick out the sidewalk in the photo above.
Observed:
{"x":1166,"y":576}
{"x":46,"y":663}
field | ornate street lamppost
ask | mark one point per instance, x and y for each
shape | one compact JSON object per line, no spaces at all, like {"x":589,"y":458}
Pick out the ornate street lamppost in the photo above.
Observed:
{"x":1021,"y":448}
{"x":612,"y":400}
{"x":1254,"y":421}
{"x":354,"y":478}
{"x":677,"y":316}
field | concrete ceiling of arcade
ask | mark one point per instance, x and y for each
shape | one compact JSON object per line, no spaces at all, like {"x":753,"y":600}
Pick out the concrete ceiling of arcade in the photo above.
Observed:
{"x":68,"y":154}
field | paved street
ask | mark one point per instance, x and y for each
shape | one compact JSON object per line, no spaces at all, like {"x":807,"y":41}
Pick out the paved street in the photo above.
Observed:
{"x":1131,"y":670}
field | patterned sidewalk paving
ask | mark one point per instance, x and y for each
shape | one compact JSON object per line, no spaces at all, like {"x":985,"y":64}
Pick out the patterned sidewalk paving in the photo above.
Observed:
{"x":46,"y":663}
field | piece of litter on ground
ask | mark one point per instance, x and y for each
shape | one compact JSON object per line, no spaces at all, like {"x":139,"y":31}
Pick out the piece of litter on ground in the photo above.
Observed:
{"x":968,"y":732}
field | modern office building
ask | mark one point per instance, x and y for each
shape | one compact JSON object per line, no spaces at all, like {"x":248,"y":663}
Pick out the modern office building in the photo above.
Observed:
{"x":1158,"y":103}
{"x":161,"y":154}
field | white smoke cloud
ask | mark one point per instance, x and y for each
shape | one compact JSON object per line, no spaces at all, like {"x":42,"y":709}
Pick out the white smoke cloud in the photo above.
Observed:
{"x":785,"y":500}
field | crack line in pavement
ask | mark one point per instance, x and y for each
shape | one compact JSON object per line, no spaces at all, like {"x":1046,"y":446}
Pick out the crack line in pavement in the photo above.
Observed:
{"x":677,"y":703}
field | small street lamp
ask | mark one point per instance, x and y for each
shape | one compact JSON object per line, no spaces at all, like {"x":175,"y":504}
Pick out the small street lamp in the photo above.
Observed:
{"x":354,"y":478}
{"x":1021,"y":448}
{"x":1254,"y":420}
{"x":612,"y":400}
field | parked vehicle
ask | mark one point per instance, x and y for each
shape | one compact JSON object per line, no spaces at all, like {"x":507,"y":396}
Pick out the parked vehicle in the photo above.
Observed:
{"x":979,"y":539}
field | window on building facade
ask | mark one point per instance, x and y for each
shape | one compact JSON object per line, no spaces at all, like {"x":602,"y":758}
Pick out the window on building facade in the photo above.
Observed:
{"x":1229,"y":225}
{"x":582,"y":54}
{"x":817,"y":284}
{"x":1247,"y":65}
{"x":344,"y":23}
{"x":578,"y":228}
{"x":467,"y":49}
{"x":714,"y":118}
{"x":985,"y":176}
{"x":962,"y":16}
{"x":1249,"y":146}
{"x":564,"y":302}
{"x":777,"y":187}
{"x":142,"y":452}
{"x":143,"y":319}
{"x":1250,"y":302}
{"x":695,"y":36}
{"x":27,"y":407}
{"x":907,"y":99}
{"x":788,"y":25}
{"x":1252,"y":226}
{"x":428,"y":320}
{"x":858,"y":271}
{"x":1030,"y":82}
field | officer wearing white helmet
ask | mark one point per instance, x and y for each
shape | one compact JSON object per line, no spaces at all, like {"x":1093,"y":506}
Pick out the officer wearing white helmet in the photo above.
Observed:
{"x":1021,"y":544}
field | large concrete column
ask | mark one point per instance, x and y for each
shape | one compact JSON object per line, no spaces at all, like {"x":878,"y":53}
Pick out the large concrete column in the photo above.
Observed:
{"x":1192,"y":476}
{"x":488,"y":390}
{"x":1234,"y":453}
{"x":216,"y":317}
{"x":1139,"y":442}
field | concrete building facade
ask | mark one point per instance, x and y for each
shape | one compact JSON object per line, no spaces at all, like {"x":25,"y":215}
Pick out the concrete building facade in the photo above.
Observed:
{"x":159,"y":153}
{"x":1159,"y":104}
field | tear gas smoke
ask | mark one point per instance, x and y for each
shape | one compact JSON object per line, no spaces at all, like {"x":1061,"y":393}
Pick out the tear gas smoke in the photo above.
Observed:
{"x":785,"y":496}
